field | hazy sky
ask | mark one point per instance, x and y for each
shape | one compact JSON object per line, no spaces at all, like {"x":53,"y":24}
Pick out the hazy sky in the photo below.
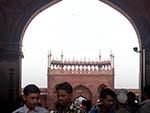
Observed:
{"x":81,"y":28}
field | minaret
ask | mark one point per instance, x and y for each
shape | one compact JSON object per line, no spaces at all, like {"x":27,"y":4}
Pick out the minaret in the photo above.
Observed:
{"x":62,"y":55}
{"x":112,"y":59}
{"x":99,"y":55}
{"x":61,"y":59}
{"x":49,"y":58}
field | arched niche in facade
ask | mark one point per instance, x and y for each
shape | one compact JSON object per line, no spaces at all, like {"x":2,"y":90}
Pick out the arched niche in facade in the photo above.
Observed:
{"x":82,"y":91}
{"x":101,"y":87}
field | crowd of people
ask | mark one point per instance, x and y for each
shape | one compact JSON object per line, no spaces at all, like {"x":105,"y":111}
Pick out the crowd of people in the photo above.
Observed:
{"x":109,"y":101}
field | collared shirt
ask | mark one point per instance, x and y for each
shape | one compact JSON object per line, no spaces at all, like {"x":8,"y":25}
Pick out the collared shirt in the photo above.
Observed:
{"x":70,"y":109}
{"x":37,"y":109}
{"x":122,"y":110}
{"x":98,"y":110}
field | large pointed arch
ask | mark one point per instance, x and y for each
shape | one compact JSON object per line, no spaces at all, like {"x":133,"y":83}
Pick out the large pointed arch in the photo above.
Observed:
{"x":125,"y":14}
{"x":16,"y":15}
{"x":35,"y":10}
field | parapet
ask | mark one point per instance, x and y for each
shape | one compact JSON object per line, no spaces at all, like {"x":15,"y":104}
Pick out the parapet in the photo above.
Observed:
{"x":60,"y":66}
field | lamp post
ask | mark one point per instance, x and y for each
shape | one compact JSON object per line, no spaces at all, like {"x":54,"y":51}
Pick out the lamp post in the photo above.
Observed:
{"x":142,"y":69}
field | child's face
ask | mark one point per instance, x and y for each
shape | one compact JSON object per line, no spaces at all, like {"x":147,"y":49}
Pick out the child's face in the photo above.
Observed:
{"x":108,"y":101}
{"x":31,"y":100}
{"x":63,"y":97}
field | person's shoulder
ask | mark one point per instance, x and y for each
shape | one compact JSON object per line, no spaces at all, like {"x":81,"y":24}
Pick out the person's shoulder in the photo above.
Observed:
{"x":94,"y":110}
{"x":19,"y":110}
{"x":44,"y":110}
{"x":81,"y":111}
{"x":75,"y":109}
{"x":121,"y":110}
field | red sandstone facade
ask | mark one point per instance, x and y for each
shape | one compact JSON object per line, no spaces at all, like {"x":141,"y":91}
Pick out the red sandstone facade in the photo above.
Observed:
{"x":86,"y":77}
{"x":43,"y":95}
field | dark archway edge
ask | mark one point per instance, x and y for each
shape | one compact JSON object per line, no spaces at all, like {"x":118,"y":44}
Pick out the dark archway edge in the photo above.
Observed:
{"x":15,"y":15}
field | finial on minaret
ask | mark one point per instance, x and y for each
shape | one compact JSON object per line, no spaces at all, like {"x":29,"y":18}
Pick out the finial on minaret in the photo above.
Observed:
{"x":50,"y":53}
{"x":62,"y":55}
{"x":99,"y":55}
{"x":112,"y":59}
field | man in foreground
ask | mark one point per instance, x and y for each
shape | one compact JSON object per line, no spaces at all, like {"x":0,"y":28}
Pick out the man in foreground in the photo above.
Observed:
{"x":31,"y":95}
{"x":107,"y":98}
{"x":64,"y":102}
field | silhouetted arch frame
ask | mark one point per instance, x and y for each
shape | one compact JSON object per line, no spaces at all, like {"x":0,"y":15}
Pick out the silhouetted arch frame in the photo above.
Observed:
{"x":41,"y":5}
{"x":39,"y":8}
{"x":111,"y":4}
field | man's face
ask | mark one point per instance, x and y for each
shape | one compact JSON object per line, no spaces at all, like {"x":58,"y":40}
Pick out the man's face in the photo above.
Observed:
{"x":63,"y":97}
{"x":107,"y":102}
{"x":31,"y":100}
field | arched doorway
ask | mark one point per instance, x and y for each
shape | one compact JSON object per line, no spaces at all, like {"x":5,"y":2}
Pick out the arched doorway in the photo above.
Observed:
{"x":82,"y":91}
{"x":117,"y":56}
{"x":14,"y":17}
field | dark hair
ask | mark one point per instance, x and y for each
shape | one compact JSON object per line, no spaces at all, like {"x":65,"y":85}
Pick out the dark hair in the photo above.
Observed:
{"x":64,"y":86}
{"x":132,"y":99}
{"x":131,"y":95}
{"x":147,"y":90}
{"x":31,"y":88}
{"x":87,"y":103}
{"x":106,"y":92}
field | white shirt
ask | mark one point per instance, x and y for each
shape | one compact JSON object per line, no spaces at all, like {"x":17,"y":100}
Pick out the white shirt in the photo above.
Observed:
{"x":37,"y":109}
